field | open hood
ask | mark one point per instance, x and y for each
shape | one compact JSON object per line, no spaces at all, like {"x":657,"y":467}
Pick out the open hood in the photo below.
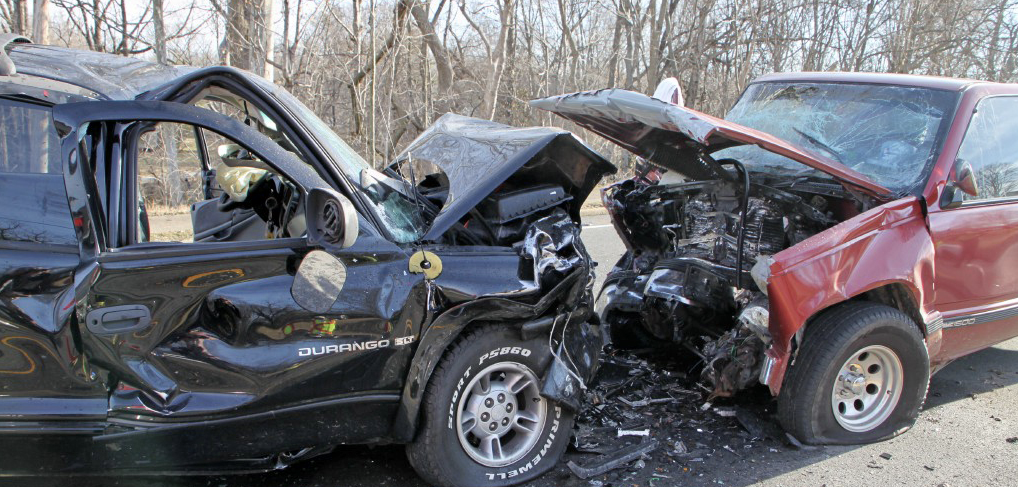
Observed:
{"x":478,"y":156}
{"x":672,"y":136}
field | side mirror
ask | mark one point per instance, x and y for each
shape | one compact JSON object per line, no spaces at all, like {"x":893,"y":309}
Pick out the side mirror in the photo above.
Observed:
{"x":332,"y":219}
{"x":964,"y":178}
{"x":964,"y":181}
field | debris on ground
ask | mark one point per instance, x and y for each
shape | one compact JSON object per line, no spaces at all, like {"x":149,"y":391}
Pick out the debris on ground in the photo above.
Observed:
{"x":1013,"y":439}
{"x":652,"y":397}
{"x":885,"y":456}
{"x":608,"y":462}
{"x":643,"y":432}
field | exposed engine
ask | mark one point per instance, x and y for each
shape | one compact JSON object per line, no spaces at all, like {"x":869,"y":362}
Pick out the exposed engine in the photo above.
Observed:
{"x":683,"y":278}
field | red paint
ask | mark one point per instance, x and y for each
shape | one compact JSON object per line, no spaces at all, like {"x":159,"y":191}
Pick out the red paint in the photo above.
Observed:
{"x":888,"y":244}
{"x":953,"y":262}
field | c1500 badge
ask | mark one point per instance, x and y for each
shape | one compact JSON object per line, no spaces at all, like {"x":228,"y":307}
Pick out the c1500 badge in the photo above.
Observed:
{"x":354,"y":347}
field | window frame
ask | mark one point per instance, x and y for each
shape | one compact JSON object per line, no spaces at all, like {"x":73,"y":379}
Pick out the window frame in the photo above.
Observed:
{"x":52,"y":166}
{"x":128,"y":184}
{"x":968,"y":128}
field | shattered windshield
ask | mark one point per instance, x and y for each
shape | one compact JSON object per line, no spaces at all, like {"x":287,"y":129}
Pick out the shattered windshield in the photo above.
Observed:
{"x":395,"y":209}
{"x":891,"y":134}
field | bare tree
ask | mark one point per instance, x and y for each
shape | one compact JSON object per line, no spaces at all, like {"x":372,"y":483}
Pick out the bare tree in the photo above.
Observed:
{"x":40,"y":22}
{"x":379,"y":71}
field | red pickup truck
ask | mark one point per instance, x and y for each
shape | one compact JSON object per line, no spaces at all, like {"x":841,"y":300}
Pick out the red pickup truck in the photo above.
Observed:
{"x":837,"y":237}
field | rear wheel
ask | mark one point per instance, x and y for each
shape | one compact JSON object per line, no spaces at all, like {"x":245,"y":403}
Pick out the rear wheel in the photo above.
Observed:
{"x":860,"y":376}
{"x":484,"y":421}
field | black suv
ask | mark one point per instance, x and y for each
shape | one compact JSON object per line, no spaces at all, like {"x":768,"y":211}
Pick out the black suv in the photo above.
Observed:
{"x":197,"y":274}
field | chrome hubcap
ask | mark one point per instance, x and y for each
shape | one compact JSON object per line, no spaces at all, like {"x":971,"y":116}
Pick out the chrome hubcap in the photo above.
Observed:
{"x":867,"y":388}
{"x":501,"y":414}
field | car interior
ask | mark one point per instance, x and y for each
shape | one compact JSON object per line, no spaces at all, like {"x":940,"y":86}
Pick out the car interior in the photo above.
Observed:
{"x":228,"y":192}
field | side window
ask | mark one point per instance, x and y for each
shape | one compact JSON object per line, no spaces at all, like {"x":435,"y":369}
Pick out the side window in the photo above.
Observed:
{"x":29,"y":144}
{"x":991,"y":146}
{"x":195,"y":185}
{"x":240,"y":109}
{"x":34,"y":209}
{"x":169,"y":172}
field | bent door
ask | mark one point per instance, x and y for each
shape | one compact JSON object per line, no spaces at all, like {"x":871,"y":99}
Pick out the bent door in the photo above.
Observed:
{"x":211,"y":350}
{"x":50,"y":401}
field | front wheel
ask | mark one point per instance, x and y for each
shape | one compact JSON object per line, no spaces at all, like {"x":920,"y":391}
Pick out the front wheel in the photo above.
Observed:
{"x":484,"y":421}
{"x":861,"y":375}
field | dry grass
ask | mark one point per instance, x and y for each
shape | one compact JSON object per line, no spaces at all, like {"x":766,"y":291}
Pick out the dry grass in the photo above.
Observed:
{"x":160,"y":210}
{"x":173,"y":236}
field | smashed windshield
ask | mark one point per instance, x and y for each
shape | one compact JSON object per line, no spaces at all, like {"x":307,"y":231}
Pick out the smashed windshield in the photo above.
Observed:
{"x":891,"y":134}
{"x":396,"y":210}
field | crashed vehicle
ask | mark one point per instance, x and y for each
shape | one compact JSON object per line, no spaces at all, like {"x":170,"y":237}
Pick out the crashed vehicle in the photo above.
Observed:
{"x":837,"y":237}
{"x":305,"y":299}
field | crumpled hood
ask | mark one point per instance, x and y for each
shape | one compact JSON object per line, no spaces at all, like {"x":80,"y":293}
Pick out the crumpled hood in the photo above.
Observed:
{"x":479,"y":155}
{"x":672,"y":136}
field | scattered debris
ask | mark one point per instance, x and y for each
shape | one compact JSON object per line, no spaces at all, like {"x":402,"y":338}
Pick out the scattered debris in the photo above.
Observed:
{"x":611,"y":461}
{"x":644,"y":432}
{"x":652,"y":395}
{"x":1013,"y":439}
{"x":798,"y":444}
{"x":725,"y":413}
{"x":756,"y":427}
{"x":885,"y":456}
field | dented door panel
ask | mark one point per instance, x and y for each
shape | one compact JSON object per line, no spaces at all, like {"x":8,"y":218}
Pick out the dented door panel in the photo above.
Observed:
{"x":226,"y":332}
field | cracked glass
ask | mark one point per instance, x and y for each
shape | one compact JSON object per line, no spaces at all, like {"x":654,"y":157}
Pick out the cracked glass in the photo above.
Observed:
{"x":891,"y":134}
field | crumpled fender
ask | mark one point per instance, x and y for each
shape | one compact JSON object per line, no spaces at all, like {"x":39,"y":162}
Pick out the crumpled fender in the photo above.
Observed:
{"x":437,"y":338}
{"x":889,"y":244}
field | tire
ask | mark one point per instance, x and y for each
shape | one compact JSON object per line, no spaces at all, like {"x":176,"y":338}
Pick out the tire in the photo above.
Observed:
{"x":883,"y":356}
{"x":445,"y":456}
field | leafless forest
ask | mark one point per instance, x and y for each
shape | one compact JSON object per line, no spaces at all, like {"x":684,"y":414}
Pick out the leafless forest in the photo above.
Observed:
{"x":379,"y":71}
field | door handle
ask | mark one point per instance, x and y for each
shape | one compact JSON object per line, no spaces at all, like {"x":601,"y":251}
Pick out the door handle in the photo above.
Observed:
{"x":118,"y":319}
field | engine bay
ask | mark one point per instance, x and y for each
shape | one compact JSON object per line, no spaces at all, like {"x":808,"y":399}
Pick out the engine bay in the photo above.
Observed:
{"x":694,"y":273}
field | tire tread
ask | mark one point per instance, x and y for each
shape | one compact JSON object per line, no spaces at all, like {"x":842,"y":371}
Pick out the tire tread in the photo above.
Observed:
{"x":835,"y":327}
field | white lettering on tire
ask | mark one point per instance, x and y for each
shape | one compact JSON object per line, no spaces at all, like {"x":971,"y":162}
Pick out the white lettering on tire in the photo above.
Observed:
{"x":523,"y":352}
{"x":541,"y":455}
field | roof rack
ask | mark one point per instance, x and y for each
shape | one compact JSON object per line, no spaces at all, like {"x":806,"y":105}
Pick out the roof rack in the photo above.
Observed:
{"x":6,"y":64}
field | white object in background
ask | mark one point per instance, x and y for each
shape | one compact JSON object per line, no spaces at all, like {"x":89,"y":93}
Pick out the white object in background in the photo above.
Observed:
{"x":668,"y":90}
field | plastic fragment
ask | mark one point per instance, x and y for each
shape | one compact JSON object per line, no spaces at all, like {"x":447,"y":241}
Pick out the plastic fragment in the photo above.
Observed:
{"x":612,"y":461}
{"x":643,"y":432}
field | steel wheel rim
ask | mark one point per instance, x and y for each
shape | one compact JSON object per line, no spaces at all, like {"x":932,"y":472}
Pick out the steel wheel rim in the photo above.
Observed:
{"x":867,"y":388}
{"x":501,"y":414}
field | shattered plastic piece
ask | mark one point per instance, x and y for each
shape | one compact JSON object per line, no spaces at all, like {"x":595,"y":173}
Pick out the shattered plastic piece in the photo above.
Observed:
{"x":752,"y":424}
{"x":643,"y":432}
{"x":612,"y":461}
{"x":725,"y":413}
{"x":798,"y":444}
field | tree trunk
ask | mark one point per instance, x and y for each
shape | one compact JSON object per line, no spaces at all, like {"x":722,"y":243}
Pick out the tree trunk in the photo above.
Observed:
{"x":40,"y":22}
{"x":20,"y":19}
{"x":160,"y":28}
{"x":442,"y":64}
{"x":248,"y":34}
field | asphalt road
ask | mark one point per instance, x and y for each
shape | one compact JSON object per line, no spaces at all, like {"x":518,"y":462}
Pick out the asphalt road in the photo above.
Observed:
{"x":959,"y":440}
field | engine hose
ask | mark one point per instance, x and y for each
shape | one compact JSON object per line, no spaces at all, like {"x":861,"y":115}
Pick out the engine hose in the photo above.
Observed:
{"x":742,"y":217}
